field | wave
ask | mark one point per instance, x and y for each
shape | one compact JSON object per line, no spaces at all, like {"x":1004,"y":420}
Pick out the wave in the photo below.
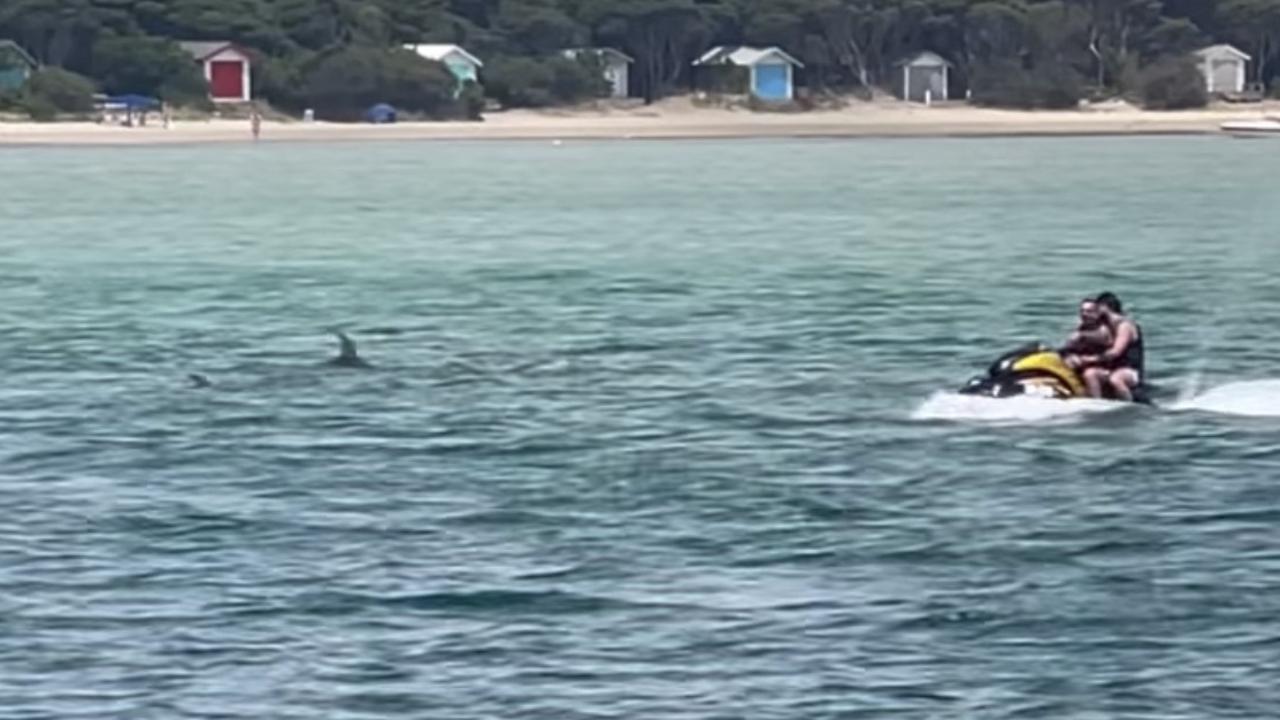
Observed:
{"x":1248,"y":398}
{"x":974,"y":408}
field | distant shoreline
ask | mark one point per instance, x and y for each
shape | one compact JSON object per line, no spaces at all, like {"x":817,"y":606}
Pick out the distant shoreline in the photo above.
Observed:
{"x":670,"y":120}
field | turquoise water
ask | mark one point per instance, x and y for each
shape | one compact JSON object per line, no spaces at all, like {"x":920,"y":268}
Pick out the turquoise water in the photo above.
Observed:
{"x":655,"y":430}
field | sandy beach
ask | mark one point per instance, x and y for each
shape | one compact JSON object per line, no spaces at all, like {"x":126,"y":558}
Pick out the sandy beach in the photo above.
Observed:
{"x":673,"y":118}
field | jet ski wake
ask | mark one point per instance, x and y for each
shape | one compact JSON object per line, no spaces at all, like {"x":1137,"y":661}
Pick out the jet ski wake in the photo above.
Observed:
{"x":1033,"y":383}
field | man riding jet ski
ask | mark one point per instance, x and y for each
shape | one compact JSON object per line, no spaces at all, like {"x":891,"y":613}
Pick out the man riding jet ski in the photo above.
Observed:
{"x":1102,"y":359}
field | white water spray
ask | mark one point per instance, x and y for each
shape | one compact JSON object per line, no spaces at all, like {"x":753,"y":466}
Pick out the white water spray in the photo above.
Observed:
{"x":1021,"y":409}
{"x":1248,"y":398}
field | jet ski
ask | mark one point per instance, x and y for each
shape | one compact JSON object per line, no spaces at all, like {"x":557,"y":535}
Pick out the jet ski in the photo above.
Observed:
{"x":1036,"y":370}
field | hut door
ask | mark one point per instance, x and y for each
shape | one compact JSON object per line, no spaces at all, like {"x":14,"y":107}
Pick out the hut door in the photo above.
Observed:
{"x":226,"y":80}
{"x":1224,"y":76}
{"x":771,"y":82}
{"x":937,"y":87}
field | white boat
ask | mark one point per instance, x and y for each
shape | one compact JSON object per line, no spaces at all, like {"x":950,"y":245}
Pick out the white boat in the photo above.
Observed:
{"x":1266,"y":127}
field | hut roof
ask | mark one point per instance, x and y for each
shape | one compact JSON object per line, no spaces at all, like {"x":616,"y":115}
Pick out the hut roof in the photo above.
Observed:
{"x":925,"y":59}
{"x":18,"y":51}
{"x":573,"y":53}
{"x":439,"y":51}
{"x":205,"y":49}
{"x":744,"y":55}
{"x":1223,"y":51}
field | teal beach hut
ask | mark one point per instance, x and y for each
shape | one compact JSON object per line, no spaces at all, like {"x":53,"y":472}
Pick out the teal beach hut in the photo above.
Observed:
{"x":464,"y":66}
{"x":16,"y":66}
{"x":770,"y":72}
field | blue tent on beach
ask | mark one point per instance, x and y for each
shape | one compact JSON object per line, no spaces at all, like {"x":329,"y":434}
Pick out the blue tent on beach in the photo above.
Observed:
{"x":133,"y":102}
{"x":130,"y":104}
{"x":381,"y":113}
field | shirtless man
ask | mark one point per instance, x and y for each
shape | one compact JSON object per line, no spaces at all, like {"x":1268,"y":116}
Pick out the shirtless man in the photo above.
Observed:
{"x":1091,"y":336}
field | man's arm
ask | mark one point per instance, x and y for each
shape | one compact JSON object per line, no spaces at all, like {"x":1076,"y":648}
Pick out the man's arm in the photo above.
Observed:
{"x":1081,"y":339}
{"x":1124,"y":336}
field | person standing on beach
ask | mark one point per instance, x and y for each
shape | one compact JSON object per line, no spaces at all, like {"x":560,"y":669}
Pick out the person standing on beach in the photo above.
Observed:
{"x":255,"y":122}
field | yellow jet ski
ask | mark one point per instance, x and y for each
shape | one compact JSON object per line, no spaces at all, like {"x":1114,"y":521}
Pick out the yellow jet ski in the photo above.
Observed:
{"x":1034,"y":370}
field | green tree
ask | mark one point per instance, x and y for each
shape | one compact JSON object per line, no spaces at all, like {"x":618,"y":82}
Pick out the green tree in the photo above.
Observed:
{"x":537,"y":29}
{"x":662,"y":35}
{"x":62,"y":32}
{"x":148,"y":66}
{"x":1255,"y":24}
{"x":1172,"y":36}
{"x":997,"y":33}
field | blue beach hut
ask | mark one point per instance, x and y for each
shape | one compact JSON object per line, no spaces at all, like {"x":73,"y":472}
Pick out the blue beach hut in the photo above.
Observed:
{"x":16,"y":66}
{"x":770,"y":70}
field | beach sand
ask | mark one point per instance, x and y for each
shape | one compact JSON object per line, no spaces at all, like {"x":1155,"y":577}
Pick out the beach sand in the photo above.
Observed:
{"x":672,"y":118}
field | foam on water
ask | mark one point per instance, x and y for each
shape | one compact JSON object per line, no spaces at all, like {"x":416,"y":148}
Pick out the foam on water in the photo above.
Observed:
{"x":1251,"y":398}
{"x":1022,"y":409}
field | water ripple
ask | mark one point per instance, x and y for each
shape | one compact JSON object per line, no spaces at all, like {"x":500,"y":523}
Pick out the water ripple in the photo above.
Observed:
{"x":676,"y":442}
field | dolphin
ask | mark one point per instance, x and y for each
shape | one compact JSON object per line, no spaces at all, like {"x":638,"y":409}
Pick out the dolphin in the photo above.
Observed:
{"x":347,"y":356}
{"x":199,"y":380}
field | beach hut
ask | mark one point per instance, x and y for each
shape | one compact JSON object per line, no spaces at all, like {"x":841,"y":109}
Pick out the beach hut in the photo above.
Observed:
{"x":464,"y":66}
{"x":616,"y":64}
{"x":226,"y":67}
{"x":924,"y":77}
{"x":1223,"y":67}
{"x":16,"y":66}
{"x":770,"y":70}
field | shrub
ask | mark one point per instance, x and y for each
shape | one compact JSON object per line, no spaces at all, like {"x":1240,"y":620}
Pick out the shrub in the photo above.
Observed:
{"x":1173,"y":84}
{"x":10,"y":101}
{"x":40,"y":109}
{"x":471,"y":101}
{"x":1008,"y":84}
{"x":149,"y":66}
{"x":518,"y":82}
{"x":64,"y":91}
{"x":343,"y":84}
{"x":1002,"y":84}
{"x":1057,"y":87}
{"x":530,"y":82}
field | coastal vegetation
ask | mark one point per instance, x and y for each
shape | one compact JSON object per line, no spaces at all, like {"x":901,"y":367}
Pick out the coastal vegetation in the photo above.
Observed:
{"x":338,"y":56}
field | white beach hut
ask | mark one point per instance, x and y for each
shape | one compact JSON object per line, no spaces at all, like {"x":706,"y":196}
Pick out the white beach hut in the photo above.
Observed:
{"x":925,"y":78}
{"x":1223,"y":67}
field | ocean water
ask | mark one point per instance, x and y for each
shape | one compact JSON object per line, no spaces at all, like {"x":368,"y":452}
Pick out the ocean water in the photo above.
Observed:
{"x":653,"y":430}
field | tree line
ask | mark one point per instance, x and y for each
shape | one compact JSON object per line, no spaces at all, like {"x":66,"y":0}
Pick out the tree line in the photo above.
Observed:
{"x":1024,"y":53}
